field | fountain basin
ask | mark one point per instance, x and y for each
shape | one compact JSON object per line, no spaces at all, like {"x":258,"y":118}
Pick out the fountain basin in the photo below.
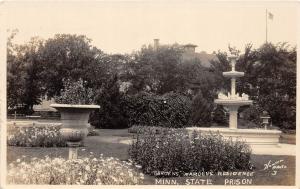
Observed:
{"x":233,"y":74}
{"x":253,"y":137}
{"x":233,"y":102}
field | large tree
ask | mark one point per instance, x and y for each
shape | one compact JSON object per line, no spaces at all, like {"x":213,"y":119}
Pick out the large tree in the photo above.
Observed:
{"x":24,"y":85}
{"x":72,"y":57}
{"x":156,"y":70}
{"x":33,"y":84}
{"x":275,"y":82}
{"x":15,"y":74}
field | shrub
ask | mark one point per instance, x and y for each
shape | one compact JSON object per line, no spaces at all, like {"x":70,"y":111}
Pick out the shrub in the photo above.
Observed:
{"x":242,"y":123}
{"x":201,"y":111}
{"x":110,"y":115}
{"x":169,"y":110}
{"x":175,"y":150}
{"x":253,"y":114}
{"x":35,"y":136}
{"x":87,"y":171}
{"x":219,"y":115}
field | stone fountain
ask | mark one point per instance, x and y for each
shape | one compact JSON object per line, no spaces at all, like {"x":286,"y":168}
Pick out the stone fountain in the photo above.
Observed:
{"x":233,"y":101}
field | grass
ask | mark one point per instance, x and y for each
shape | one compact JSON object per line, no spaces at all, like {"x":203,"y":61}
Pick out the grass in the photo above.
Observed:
{"x":109,"y":143}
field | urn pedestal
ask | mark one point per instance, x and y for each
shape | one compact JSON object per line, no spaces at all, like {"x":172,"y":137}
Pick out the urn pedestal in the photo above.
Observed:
{"x":74,"y":120}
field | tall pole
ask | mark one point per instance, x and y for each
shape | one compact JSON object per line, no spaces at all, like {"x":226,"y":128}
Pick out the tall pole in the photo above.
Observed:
{"x":266,"y":25}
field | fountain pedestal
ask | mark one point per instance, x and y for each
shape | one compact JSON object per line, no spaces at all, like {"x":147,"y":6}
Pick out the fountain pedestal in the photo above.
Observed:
{"x":233,"y":117}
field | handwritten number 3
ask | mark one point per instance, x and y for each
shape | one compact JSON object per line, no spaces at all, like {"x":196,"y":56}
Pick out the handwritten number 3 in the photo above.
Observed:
{"x":274,"y":172}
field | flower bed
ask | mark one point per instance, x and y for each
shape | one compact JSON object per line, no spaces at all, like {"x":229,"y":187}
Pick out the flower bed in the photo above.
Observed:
{"x":174,"y":150}
{"x":38,"y":135}
{"x":87,"y":171}
{"x":141,"y":129}
{"x":35,"y":135}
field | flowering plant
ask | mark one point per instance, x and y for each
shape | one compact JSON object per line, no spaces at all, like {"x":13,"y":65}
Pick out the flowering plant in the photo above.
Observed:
{"x":177,"y":151}
{"x":35,"y":136}
{"x":39,"y":135}
{"x":86,"y":171}
{"x":75,"y":93}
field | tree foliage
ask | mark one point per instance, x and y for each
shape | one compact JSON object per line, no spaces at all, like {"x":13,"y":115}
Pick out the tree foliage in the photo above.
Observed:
{"x":15,"y":73}
{"x":111,"y":114}
{"x":157,"y":71}
{"x":23,"y":79}
{"x":69,"y":56}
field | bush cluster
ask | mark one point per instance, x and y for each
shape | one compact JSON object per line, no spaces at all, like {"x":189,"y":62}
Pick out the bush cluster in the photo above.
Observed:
{"x":169,"y":110}
{"x":219,"y":115}
{"x":253,"y":114}
{"x":201,"y":111}
{"x":110,"y":115}
{"x":87,"y":171}
{"x":175,"y":150}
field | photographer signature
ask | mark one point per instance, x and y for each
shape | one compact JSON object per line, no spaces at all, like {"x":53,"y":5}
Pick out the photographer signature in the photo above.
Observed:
{"x":274,"y":166}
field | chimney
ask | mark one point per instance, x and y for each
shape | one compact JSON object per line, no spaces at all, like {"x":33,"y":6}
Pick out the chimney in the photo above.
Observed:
{"x":156,"y":44}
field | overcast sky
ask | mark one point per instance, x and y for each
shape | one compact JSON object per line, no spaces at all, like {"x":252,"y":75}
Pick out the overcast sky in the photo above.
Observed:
{"x":121,"y":27}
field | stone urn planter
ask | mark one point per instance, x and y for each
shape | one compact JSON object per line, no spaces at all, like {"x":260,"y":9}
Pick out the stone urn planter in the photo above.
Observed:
{"x":74,"y":124}
{"x":265,"y":119}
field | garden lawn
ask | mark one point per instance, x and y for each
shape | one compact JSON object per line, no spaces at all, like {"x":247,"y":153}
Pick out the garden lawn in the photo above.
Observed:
{"x":109,"y":143}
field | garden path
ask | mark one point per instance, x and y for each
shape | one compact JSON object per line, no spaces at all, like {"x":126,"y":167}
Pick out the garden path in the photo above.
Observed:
{"x":282,"y":149}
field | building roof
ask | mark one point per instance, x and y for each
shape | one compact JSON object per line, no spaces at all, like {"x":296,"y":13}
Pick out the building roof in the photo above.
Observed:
{"x":190,"y":45}
{"x":204,"y":57}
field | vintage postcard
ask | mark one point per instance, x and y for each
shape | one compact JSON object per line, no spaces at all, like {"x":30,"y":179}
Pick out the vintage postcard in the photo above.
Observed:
{"x":149,"y":94}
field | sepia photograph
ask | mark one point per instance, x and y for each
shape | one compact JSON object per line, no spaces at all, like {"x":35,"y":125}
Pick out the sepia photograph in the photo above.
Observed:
{"x":183,"y":93}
